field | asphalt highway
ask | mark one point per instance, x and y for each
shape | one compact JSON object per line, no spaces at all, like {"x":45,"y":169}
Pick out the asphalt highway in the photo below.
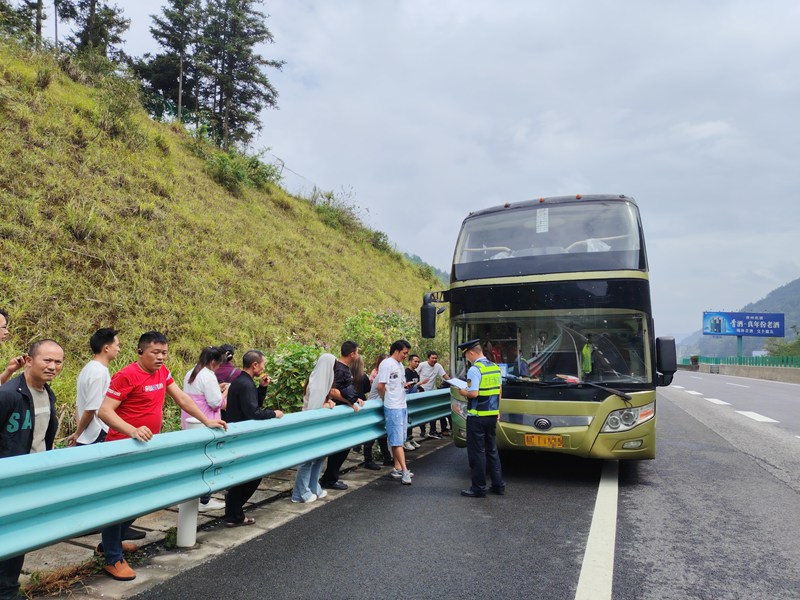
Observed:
{"x":715,"y":516}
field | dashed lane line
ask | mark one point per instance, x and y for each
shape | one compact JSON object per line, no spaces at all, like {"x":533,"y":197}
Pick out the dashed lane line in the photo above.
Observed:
{"x":693,"y":393}
{"x":597,"y":570}
{"x":720,"y":402}
{"x":756,"y":417}
{"x":677,"y":387}
{"x":737,"y":385}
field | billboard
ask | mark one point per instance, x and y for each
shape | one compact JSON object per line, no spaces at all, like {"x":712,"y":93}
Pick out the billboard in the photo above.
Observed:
{"x":742,"y":323}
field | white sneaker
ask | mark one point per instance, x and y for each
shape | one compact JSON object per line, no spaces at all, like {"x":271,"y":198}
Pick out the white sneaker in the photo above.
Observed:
{"x":406,"y":478}
{"x":415,"y":444}
{"x":313,"y":498}
{"x":211,"y":505}
{"x":409,"y":446}
{"x":398,"y":474}
{"x":322,"y":494}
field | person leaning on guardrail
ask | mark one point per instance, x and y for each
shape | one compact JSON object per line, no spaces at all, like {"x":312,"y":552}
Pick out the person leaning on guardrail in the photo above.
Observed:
{"x":343,"y":393}
{"x":244,"y":403}
{"x":28,"y":424}
{"x":315,"y":395}
{"x":133,"y":408}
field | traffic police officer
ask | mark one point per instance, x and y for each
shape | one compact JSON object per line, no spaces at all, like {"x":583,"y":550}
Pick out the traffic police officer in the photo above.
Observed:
{"x":483,"y":412}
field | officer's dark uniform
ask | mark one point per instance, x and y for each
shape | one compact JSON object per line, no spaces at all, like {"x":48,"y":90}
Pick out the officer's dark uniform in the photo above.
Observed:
{"x":482,"y":415}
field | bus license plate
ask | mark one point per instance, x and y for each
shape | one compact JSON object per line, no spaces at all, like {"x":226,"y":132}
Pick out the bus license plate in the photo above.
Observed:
{"x":544,"y":441}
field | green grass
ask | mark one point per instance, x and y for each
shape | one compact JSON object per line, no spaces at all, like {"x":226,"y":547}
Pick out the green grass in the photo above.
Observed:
{"x":111,"y":219}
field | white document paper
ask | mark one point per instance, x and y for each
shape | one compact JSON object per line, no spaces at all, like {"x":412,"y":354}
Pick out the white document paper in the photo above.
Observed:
{"x":455,"y":382}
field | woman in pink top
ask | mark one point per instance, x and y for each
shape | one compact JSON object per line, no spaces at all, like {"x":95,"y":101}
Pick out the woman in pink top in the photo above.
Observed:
{"x":202,"y":385}
{"x":210,"y":396}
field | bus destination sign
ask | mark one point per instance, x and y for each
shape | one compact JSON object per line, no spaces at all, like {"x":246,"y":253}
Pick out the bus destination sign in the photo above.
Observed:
{"x":743,"y":323}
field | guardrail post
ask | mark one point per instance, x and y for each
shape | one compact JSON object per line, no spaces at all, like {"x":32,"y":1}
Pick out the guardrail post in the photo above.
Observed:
{"x":187,"y":511}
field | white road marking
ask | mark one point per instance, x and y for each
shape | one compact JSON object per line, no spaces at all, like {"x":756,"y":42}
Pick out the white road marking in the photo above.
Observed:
{"x":597,"y":570}
{"x":720,"y":402}
{"x":677,"y":387}
{"x":694,"y":393}
{"x":696,"y":377}
{"x":756,"y":417}
{"x":737,"y":385}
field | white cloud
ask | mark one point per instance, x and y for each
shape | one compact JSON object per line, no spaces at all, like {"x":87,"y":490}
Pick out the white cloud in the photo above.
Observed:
{"x":429,"y":110}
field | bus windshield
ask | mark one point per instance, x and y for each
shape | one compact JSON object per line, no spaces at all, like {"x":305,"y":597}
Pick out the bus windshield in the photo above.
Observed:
{"x":565,"y":237}
{"x":583,"y":346}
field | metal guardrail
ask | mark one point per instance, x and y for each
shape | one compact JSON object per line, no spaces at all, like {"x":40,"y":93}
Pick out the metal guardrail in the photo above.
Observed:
{"x":52,"y":496}
{"x":748,"y":361}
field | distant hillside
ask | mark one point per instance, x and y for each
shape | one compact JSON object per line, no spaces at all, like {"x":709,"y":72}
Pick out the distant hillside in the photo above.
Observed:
{"x":785,"y":299}
{"x":443,"y":276}
{"x":111,"y":219}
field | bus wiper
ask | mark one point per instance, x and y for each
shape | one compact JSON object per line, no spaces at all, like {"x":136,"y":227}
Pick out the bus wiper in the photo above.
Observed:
{"x":622,"y":395}
{"x":562,"y":383}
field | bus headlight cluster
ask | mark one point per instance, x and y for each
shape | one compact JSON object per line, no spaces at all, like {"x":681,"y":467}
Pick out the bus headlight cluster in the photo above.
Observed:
{"x":628,"y":418}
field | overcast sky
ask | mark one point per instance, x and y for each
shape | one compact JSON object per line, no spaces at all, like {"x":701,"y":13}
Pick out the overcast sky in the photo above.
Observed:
{"x":423,"y":111}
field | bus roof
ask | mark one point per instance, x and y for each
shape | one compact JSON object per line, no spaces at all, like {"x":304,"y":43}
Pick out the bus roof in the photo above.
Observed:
{"x":553,"y":200}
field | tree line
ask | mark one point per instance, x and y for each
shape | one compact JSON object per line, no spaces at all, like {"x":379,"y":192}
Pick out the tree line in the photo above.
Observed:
{"x":207,"y":71}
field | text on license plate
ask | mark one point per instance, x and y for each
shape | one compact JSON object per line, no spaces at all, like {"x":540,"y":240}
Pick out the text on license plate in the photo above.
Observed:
{"x":544,"y":441}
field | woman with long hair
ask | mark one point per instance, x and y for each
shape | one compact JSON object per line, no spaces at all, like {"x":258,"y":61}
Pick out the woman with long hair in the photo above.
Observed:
{"x":201,"y":384}
{"x":317,"y":389}
{"x":210,"y":396}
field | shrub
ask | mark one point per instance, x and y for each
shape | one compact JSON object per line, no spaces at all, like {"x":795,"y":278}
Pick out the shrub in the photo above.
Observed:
{"x":119,"y":100}
{"x":374,"y":332}
{"x":289,"y":365}
{"x":228,"y":170}
{"x":262,"y":174}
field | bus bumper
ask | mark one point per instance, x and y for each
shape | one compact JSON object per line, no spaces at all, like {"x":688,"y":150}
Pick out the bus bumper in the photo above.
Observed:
{"x":638,"y":443}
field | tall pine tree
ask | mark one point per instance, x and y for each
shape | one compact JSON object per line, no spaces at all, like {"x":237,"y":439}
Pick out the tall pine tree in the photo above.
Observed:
{"x":176,"y":31}
{"x":100,"y":27}
{"x":236,"y":89}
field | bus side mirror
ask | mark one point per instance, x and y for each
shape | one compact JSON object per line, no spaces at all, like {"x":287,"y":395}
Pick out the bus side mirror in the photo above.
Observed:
{"x":427,"y":319}
{"x":666,"y":360}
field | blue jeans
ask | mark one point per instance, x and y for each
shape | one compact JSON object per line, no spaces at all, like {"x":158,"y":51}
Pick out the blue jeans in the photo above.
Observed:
{"x":306,"y":483}
{"x":112,"y":541}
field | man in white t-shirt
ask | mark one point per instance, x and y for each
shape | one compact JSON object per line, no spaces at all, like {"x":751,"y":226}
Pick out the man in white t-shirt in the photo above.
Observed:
{"x":428,"y":372}
{"x":391,"y":380}
{"x":93,"y":382}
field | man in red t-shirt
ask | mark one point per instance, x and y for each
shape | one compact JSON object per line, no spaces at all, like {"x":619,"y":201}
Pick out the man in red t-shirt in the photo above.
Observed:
{"x":133,"y":408}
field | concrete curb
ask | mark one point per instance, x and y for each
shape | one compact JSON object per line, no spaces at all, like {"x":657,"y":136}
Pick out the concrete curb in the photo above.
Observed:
{"x":270,"y":506}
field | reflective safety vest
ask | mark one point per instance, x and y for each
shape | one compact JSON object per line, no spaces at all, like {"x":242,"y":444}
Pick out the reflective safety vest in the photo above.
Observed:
{"x":487,"y":403}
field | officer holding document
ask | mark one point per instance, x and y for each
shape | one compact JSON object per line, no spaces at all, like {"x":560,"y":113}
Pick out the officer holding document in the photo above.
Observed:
{"x":483,"y":412}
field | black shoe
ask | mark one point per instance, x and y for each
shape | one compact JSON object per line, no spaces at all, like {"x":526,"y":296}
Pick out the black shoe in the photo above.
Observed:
{"x":498,"y":490}
{"x":132,"y":534}
{"x":388,"y":462}
{"x":471,"y":494}
{"x":372,"y":466}
{"x":338,"y":485}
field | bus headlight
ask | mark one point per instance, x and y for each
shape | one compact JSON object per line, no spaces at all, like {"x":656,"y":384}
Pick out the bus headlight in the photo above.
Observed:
{"x":628,"y":418}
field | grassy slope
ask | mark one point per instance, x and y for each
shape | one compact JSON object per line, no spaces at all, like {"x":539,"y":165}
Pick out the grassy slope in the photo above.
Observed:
{"x":129,"y":231}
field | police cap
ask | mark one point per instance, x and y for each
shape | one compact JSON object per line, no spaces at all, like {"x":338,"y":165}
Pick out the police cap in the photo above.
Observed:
{"x":469,"y":345}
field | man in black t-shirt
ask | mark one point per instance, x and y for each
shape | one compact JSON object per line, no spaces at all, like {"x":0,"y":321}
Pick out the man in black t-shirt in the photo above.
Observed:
{"x":343,"y":392}
{"x":412,"y":385}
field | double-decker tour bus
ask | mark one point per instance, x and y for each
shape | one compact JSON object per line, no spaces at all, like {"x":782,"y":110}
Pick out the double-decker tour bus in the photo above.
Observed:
{"x":557,"y":291}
